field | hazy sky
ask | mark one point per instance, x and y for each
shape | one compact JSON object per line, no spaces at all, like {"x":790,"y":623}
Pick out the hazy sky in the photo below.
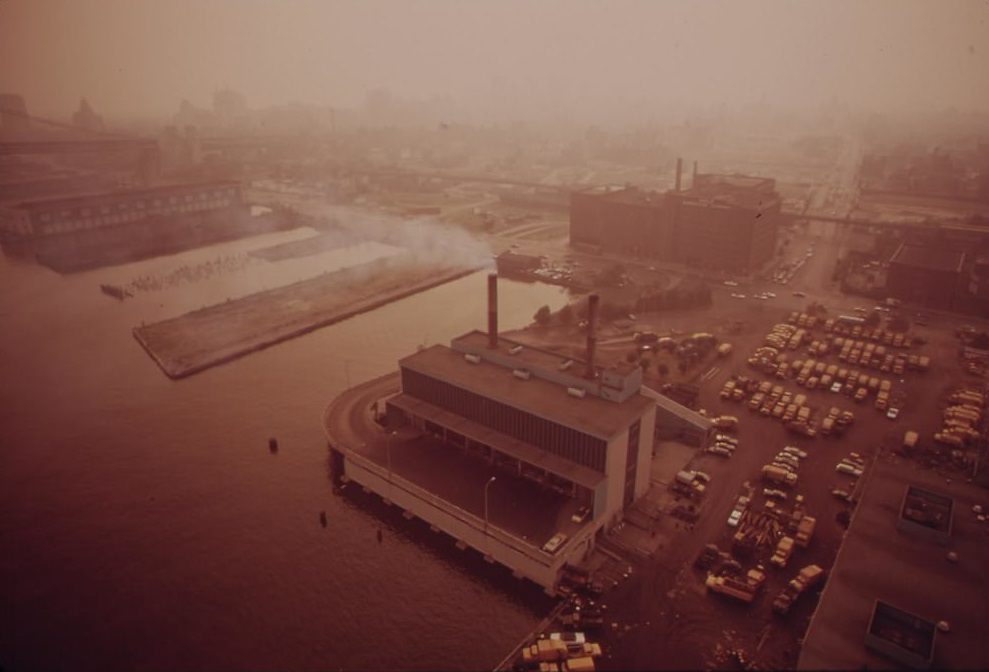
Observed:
{"x":142,"y":56}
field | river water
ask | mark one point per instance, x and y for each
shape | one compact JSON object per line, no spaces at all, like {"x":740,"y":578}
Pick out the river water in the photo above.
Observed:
{"x":145,"y":525}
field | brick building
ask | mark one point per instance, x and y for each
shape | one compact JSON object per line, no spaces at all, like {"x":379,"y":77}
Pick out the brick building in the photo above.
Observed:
{"x":726,"y":222}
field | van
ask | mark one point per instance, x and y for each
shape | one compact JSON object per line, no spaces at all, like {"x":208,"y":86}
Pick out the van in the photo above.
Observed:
{"x":846,"y":468}
{"x":686,"y":477}
{"x":827,"y":426}
{"x":726,"y":422}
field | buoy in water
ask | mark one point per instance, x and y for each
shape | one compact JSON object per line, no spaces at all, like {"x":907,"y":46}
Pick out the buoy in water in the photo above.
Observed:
{"x":322,"y":518}
{"x":379,"y":535}
{"x":273,"y":445}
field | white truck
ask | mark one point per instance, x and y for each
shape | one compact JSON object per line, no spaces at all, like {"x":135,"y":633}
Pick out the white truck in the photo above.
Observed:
{"x":775,"y":474}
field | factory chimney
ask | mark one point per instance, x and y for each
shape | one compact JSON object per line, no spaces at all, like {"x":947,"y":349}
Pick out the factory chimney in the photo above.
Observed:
{"x":493,"y":310}
{"x":592,"y":323}
{"x":693,"y":181}
{"x":679,"y":172}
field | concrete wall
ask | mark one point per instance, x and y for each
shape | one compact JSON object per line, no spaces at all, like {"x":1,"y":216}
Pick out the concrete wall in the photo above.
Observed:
{"x":614,"y":469}
{"x":646,"y":439}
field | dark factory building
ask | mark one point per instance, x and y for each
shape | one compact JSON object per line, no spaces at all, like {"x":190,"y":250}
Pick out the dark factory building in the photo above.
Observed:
{"x":721,"y":221}
{"x":66,"y":215}
{"x":925,"y":274}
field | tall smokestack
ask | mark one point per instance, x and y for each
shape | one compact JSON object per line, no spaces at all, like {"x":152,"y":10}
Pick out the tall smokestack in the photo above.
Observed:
{"x":679,"y":172}
{"x":492,"y":310}
{"x":592,"y":323}
{"x":693,"y":178}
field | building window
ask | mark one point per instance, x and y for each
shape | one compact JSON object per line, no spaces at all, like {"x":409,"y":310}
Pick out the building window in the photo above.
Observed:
{"x":552,"y":437}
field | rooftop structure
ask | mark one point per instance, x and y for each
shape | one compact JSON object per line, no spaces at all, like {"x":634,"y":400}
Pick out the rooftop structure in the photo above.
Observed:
{"x":926,"y":514}
{"x":901,"y":636}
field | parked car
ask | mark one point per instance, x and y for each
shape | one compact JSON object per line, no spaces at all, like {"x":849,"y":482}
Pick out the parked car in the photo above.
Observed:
{"x":581,"y":514}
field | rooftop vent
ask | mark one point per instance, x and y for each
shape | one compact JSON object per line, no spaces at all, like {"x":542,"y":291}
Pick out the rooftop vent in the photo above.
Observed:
{"x":472,"y":358}
{"x":522,"y":374}
{"x":565,"y":366}
{"x":515,"y":349}
{"x":578,"y":392}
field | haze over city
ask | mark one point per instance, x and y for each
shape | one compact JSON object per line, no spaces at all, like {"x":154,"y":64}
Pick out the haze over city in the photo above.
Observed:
{"x":515,"y":60}
{"x":557,"y":336}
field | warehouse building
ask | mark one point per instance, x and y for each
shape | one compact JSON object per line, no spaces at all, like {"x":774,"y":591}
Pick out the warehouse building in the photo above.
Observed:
{"x":75,"y":214}
{"x":725,"y":222}
{"x":908,"y":567}
{"x":926,"y":274}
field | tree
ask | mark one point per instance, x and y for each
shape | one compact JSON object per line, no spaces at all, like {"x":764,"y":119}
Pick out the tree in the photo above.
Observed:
{"x":566,"y":314}
{"x":980,"y":341}
{"x":542,"y":316}
{"x":663,"y":370}
{"x":899,"y":323}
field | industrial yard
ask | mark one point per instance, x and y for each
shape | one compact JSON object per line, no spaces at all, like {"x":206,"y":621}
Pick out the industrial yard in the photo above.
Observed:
{"x":670,"y":596}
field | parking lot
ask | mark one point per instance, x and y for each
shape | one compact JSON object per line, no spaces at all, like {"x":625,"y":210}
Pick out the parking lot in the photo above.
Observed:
{"x":668,"y":617}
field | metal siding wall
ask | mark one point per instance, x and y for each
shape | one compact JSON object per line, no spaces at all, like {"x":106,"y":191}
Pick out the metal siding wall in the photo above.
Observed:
{"x":553,"y":437}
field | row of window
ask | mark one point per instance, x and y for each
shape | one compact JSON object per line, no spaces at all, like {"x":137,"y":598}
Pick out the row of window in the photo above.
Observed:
{"x":124,"y":217}
{"x":550,"y":436}
{"x":216,"y":198}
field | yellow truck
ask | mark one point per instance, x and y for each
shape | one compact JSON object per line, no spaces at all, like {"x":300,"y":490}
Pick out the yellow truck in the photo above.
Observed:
{"x":910,"y":439}
{"x":784,"y":549}
{"x":805,"y":531}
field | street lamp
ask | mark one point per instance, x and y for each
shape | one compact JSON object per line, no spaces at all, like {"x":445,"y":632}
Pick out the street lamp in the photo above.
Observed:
{"x":390,"y":436}
{"x":486,"y":485}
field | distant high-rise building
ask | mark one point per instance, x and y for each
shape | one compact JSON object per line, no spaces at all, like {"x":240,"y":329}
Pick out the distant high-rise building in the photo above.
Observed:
{"x":86,"y":118}
{"x":230,"y":107}
{"x":13,"y":112}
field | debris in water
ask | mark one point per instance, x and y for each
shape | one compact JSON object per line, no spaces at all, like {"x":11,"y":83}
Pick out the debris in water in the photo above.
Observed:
{"x":273,"y":445}
{"x":322,"y":518}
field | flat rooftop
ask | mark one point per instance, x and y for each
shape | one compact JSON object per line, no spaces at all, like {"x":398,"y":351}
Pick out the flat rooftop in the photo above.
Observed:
{"x":590,"y":414}
{"x":516,"y":505}
{"x":533,"y":357}
{"x":928,"y":258}
{"x":879,"y":562}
